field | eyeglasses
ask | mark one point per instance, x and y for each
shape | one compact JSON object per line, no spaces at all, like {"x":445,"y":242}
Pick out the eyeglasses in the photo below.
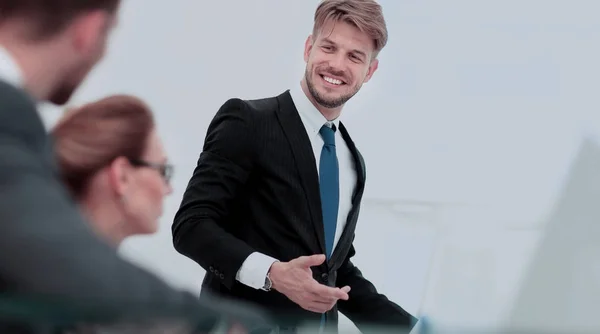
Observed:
{"x":165,"y":170}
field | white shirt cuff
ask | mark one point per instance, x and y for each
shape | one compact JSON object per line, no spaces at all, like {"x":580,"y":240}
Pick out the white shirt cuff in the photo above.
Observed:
{"x":254,"y":270}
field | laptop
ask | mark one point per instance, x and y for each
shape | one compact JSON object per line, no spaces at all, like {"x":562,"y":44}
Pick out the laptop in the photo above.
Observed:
{"x":558,"y":288}
{"x":560,"y":291}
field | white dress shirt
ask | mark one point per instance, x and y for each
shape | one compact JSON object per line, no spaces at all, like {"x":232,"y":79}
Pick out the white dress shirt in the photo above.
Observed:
{"x":11,"y":73}
{"x":255,"y":268}
{"x":9,"y":69}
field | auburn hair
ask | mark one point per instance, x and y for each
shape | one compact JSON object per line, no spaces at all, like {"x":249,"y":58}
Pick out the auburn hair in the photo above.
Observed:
{"x":92,"y":136}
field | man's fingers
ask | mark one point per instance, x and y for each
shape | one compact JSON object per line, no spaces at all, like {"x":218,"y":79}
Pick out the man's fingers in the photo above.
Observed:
{"x":341,"y":294}
{"x":322,"y":302}
{"x":323,"y":298}
{"x":309,"y":261}
{"x":328,"y":292}
{"x":319,"y":307}
{"x":314,"y":309}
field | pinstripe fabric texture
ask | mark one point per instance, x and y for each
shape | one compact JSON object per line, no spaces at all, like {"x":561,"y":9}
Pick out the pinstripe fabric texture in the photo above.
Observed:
{"x":256,"y":188}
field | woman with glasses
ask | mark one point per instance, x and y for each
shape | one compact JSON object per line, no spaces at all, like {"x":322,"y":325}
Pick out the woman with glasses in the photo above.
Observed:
{"x":113,"y":162}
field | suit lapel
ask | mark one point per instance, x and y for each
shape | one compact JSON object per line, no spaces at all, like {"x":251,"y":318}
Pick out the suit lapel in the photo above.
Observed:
{"x":351,"y":221}
{"x":359,"y":164}
{"x":305,"y":161}
{"x":306,"y":164}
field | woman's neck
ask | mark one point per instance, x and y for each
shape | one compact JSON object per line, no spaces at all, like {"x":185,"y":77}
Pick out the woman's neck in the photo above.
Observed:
{"x":105,"y":222}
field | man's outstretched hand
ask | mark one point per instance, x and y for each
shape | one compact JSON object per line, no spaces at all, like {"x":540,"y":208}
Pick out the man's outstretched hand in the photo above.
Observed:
{"x":295,"y":280}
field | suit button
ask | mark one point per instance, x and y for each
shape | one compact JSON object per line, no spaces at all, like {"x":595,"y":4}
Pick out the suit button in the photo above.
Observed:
{"x":222,"y":276}
{"x":325,"y":278}
{"x":211,"y":269}
{"x":217,"y":272}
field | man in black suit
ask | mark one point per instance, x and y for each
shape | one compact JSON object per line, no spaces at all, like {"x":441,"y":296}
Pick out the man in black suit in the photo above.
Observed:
{"x":47,"y":251}
{"x":271,"y":209}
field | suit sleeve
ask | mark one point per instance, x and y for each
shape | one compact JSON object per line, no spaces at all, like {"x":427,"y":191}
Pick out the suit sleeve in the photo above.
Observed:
{"x":47,"y":248}
{"x":366,"y":306}
{"x":49,"y":253}
{"x":201,"y":228}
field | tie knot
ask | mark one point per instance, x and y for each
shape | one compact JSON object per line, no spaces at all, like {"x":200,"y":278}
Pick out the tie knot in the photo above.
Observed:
{"x":328,"y":134}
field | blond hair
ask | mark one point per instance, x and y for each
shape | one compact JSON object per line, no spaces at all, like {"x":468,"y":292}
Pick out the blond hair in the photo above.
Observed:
{"x":366,"y":15}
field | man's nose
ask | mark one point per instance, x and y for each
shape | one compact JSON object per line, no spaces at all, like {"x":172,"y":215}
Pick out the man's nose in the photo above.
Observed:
{"x":336,"y":63}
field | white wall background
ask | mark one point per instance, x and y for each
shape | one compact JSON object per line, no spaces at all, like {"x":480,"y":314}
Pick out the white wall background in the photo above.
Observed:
{"x":476,"y":104}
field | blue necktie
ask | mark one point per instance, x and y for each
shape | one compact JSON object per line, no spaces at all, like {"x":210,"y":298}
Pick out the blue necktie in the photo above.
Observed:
{"x":329,"y":182}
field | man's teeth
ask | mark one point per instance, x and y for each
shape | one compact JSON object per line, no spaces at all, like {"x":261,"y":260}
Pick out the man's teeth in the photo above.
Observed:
{"x":332,"y":80}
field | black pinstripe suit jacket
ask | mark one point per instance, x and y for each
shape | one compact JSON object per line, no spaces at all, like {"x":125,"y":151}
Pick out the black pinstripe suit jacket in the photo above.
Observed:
{"x":256,"y":188}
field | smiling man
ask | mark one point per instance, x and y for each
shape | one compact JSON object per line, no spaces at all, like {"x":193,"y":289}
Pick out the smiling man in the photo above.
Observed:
{"x":271,"y":209}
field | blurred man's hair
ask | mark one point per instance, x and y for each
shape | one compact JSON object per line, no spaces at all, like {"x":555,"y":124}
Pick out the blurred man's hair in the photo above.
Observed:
{"x":46,"y":18}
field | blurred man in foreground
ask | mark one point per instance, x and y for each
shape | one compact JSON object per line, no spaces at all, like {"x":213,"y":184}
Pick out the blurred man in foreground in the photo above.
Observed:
{"x":47,"y":252}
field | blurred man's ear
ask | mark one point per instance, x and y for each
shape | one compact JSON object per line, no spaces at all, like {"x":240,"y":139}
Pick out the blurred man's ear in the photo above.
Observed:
{"x":89,"y":29}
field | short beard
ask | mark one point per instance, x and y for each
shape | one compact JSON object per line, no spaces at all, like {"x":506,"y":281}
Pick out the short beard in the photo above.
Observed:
{"x":327,"y":103}
{"x":62,"y":95}
{"x":69,"y":84}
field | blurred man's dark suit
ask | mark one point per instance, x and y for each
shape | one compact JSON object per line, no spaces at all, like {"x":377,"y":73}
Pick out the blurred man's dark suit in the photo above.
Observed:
{"x":46,"y":248}
{"x":256,"y":189}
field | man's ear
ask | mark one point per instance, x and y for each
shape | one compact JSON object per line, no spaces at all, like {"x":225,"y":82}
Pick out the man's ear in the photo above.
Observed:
{"x":88,"y":29}
{"x":372,"y":68}
{"x":308,"y":47}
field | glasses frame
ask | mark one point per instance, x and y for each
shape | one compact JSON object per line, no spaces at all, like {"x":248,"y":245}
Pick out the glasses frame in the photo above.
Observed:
{"x":164,"y":169}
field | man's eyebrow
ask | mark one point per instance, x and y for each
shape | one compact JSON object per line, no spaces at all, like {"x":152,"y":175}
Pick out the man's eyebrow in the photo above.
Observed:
{"x":357,"y":51}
